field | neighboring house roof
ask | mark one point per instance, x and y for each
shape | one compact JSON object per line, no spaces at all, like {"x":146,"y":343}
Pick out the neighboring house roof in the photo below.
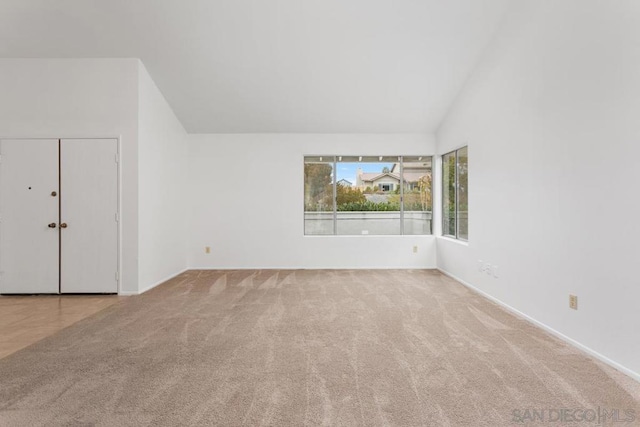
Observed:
{"x":409,"y":166}
{"x":345,"y":182}
{"x":408,"y":176}
{"x":370,"y":177}
{"x":414,"y":176}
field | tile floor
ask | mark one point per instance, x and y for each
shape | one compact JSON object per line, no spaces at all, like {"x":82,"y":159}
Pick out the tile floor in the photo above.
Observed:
{"x":25,"y":320}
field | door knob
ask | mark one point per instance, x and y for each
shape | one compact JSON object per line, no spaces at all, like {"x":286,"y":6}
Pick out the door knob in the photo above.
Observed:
{"x":63,"y":225}
{"x":52,"y":225}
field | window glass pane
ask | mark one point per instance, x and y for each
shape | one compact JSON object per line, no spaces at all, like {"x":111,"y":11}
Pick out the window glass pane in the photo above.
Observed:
{"x":368,"y":199}
{"x":463,"y":214}
{"x":318,"y":195}
{"x":449,"y":194}
{"x":417,"y":200}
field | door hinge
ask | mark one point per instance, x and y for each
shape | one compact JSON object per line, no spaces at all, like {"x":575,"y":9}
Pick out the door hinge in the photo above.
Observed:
{"x":0,"y":158}
{"x":116,"y":276}
{"x":117,"y":217}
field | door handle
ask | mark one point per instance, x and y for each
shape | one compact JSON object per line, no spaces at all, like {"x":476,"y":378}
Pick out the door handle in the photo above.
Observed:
{"x":63,"y":225}
{"x":52,"y":225}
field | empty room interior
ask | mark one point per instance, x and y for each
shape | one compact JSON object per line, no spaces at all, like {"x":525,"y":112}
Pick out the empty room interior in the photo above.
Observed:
{"x":305,"y":212}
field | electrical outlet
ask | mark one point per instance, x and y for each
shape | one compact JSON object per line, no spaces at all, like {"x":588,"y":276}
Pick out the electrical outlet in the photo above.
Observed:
{"x":480,"y":265}
{"x":207,"y":249}
{"x":487,"y":269}
{"x":415,"y":249}
{"x":494,"y":271}
{"x":573,"y":302}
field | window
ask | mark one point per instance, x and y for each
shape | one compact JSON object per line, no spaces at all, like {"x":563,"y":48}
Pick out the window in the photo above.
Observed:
{"x":318,"y":196}
{"x":455,"y":188}
{"x":416,"y":195}
{"x":367,"y":195}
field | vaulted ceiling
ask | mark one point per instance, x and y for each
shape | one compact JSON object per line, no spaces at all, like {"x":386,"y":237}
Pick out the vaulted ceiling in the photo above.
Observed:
{"x":326,"y":66}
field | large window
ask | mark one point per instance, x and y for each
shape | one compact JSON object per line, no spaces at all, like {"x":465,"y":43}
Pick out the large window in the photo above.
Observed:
{"x":455,"y":190}
{"x":367,"y":195}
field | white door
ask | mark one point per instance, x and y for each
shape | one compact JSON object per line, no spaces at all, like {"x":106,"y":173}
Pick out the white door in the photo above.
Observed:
{"x":29,"y":197}
{"x":89,"y":204}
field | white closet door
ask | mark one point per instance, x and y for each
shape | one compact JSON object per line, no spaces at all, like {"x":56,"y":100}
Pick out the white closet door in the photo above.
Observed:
{"x":89,"y":203}
{"x":28,"y":215}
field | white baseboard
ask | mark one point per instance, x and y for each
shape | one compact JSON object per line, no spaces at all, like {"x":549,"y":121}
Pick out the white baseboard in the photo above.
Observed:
{"x":591,"y":352}
{"x":153,"y":285}
{"x":421,"y":267}
{"x":127,"y":293}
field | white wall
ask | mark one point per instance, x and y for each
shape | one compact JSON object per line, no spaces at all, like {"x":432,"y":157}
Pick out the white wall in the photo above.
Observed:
{"x":247,"y":204}
{"x":551,"y":120}
{"x":162,"y":163}
{"x":80,"y":98}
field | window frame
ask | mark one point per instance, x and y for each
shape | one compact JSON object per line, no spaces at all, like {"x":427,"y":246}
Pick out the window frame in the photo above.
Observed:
{"x":456,"y":186}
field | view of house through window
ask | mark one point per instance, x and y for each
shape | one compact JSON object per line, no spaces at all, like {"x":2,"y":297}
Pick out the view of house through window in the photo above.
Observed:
{"x":367,"y":195}
{"x":455,"y":215}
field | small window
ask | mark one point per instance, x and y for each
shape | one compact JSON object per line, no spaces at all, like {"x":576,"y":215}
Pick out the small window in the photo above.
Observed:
{"x":455,"y":188}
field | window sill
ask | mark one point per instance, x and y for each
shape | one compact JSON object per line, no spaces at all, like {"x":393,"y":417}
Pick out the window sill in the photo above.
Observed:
{"x":388,"y":236}
{"x":453,"y":240}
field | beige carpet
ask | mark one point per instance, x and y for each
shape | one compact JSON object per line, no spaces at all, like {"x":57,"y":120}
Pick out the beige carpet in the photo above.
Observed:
{"x":294,"y":348}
